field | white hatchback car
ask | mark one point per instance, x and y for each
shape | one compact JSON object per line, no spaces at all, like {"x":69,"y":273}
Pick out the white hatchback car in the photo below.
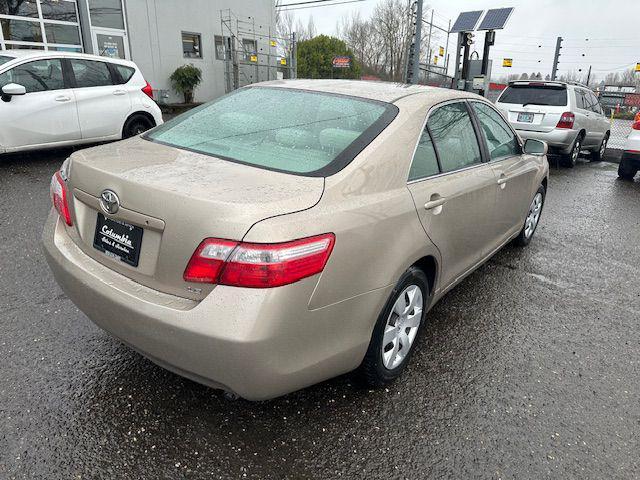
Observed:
{"x":56,"y":99}
{"x":630,"y":162}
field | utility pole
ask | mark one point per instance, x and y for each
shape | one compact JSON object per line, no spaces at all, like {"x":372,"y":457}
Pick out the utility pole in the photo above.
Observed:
{"x":414,"y":56}
{"x":589,"y":76}
{"x":556,"y":58}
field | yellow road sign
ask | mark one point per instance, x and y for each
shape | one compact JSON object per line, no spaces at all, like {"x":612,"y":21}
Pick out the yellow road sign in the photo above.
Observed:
{"x":637,"y":67}
{"x":435,"y":60}
{"x":283,"y":61}
{"x":273,"y":43}
{"x":253,"y":58}
{"x":442,"y":51}
{"x":507,"y":62}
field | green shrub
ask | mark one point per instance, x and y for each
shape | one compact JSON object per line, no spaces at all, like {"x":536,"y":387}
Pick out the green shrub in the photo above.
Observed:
{"x":185,"y":80}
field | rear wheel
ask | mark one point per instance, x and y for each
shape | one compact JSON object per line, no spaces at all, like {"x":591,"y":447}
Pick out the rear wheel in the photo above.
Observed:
{"x":626,"y":171}
{"x":397,"y":329}
{"x":136,"y":125}
{"x":533,"y":218}
{"x":598,"y":155}
{"x":570,"y":159}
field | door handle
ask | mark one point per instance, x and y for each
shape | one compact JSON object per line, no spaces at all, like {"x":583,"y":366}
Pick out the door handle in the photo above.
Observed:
{"x":503,"y":180}
{"x":435,"y":203}
{"x":119,"y":92}
{"x":63,"y":98}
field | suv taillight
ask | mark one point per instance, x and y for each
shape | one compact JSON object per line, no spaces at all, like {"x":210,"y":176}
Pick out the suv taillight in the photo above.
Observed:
{"x":566,"y":120}
{"x":59,"y":197}
{"x":636,"y":125}
{"x":257,"y":265}
{"x":148,"y":90}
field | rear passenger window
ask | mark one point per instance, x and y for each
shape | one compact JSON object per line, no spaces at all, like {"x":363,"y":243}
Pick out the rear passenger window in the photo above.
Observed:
{"x":125,"y":73}
{"x":425,"y":162}
{"x":501,"y":140}
{"x":454,"y":137}
{"x":580,"y":100}
{"x":90,"y":73}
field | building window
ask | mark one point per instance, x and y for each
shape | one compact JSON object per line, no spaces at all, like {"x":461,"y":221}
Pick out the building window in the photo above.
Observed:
{"x":106,"y":14}
{"x":191,"y":45}
{"x":250,"y":49}
{"x":19,"y":8}
{"x":221,"y":43}
{"x":61,"y":11}
{"x":60,"y":33}
{"x":21,"y":30}
{"x":40,"y":24}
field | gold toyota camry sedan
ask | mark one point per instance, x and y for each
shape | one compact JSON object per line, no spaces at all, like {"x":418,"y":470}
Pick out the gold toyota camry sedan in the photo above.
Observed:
{"x":291,"y":231}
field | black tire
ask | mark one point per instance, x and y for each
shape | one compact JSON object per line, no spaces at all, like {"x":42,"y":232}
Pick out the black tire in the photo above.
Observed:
{"x":525,"y":236}
{"x":626,"y":171}
{"x":569,"y":160}
{"x":373,"y":371}
{"x":136,"y":125}
{"x":598,"y":155}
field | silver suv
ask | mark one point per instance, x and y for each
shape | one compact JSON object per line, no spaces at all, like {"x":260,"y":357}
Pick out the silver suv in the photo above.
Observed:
{"x":566,"y":116}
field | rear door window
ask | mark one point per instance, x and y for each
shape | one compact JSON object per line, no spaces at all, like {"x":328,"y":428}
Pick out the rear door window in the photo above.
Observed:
{"x":36,"y":76}
{"x":454,"y":137}
{"x":425,"y":161}
{"x":91,"y":73}
{"x":535,"y":95}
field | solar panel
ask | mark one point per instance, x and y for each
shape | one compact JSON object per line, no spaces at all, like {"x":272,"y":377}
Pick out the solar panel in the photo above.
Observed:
{"x":467,"y":22}
{"x":496,"y":19}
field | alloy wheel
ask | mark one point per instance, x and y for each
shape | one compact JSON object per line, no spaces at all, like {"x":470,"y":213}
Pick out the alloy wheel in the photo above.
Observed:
{"x":577,"y":148}
{"x":402,"y":326}
{"x":534,"y":215}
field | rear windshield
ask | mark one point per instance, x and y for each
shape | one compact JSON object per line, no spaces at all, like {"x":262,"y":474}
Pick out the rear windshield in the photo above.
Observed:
{"x":281,"y":129}
{"x":4,"y":59}
{"x":535,"y":95}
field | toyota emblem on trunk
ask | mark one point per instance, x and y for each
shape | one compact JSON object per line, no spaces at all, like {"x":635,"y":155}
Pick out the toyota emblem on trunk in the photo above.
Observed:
{"x":109,"y":202}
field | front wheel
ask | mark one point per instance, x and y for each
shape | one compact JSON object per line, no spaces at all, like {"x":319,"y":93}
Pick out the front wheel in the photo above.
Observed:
{"x":396,"y":330}
{"x":533,"y":218}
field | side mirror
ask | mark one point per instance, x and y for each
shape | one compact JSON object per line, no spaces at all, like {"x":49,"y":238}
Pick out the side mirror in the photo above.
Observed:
{"x":12,"y":90}
{"x":536,"y":147}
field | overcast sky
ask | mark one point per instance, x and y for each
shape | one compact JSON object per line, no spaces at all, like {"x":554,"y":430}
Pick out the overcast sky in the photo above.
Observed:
{"x":612,"y":27}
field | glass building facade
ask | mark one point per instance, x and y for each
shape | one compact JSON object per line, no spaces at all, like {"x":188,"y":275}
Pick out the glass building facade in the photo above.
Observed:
{"x":40,"y":24}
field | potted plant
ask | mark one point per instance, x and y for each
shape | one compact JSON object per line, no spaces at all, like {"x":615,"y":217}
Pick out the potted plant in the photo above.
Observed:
{"x":185,"y":80}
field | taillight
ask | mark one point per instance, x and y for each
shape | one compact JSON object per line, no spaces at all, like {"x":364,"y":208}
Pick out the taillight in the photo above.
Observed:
{"x":59,"y":197}
{"x":636,"y":125}
{"x":148,"y":90}
{"x":567,"y":120}
{"x":257,"y":265}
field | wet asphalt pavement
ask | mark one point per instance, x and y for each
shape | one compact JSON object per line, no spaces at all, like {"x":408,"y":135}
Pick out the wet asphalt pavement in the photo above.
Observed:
{"x":529,"y":369}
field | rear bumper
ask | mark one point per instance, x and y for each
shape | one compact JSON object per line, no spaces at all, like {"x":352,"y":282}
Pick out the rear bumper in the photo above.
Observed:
{"x":561,"y":140}
{"x":631,"y":159}
{"x":257,"y":343}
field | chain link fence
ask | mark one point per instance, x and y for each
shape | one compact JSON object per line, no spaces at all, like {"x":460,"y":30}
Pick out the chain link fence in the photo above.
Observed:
{"x":620,"y":130}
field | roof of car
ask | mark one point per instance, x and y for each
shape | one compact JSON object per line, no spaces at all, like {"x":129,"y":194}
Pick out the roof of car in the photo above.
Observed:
{"x":35,"y":54}
{"x":373,"y":90}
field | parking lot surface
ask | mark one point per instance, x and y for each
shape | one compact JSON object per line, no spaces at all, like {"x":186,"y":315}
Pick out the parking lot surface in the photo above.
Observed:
{"x":529,"y":369}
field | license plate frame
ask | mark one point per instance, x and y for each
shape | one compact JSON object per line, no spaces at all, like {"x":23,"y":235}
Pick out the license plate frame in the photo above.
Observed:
{"x":118,"y":239}
{"x":526,"y":117}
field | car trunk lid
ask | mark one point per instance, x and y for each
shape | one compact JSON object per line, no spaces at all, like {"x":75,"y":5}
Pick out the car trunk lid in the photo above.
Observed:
{"x":178,"y":198}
